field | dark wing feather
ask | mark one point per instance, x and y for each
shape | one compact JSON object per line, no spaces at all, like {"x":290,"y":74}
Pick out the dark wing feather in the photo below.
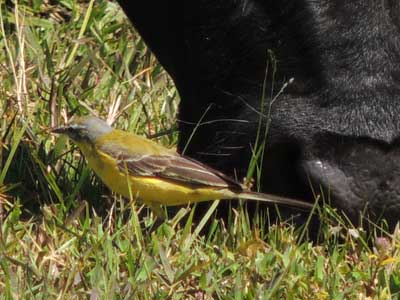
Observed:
{"x":174,"y":168}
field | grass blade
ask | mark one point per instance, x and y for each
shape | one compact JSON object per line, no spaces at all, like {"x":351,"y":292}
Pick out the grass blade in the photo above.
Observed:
{"x":17,"y":139}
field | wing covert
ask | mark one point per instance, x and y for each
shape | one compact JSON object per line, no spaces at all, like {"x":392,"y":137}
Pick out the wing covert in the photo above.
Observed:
{"x":171,"y":167}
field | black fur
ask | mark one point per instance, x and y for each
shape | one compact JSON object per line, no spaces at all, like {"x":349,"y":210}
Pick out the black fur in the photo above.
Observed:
{"x":336,"y":125}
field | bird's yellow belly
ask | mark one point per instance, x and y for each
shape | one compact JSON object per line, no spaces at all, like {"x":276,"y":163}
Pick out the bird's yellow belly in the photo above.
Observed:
{"x":149,"y":190}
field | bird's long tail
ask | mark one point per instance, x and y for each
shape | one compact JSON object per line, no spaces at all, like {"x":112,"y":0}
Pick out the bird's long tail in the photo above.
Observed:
{"x":273,"y":199}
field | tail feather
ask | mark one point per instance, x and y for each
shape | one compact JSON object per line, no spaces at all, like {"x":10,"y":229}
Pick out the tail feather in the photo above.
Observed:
{"x":273,"y":199}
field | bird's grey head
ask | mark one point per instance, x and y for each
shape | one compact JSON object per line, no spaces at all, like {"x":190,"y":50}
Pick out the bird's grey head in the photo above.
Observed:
{"x":87,"y":128}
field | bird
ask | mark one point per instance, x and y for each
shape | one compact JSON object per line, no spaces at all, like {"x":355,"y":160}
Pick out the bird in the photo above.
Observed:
{"x":136,"y":167}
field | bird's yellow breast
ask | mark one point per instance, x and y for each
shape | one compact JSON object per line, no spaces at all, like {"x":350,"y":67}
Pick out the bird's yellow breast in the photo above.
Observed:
{"x":150,"y":190}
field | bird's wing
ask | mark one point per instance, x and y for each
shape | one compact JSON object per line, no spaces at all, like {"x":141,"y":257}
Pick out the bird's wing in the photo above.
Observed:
{"x":170,"y":166}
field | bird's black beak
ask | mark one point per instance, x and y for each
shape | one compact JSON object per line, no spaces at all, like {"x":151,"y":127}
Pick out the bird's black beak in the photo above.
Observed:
{"x":60,"y":130}
{"x":73,"y":131}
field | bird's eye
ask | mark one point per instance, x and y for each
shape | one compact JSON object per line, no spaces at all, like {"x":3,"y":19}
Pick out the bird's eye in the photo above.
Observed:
{"x":76,"y":133}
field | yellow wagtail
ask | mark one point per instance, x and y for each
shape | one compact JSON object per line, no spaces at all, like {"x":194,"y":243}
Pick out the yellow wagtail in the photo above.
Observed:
{"x":156,"y":175}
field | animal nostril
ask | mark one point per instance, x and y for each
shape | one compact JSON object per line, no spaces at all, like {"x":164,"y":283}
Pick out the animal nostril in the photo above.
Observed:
{"x":396,"y":76}
{"x":384,"y":185}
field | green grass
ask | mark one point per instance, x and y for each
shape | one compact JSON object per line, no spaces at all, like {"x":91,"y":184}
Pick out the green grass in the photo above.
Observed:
{"x":64,"y":236}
